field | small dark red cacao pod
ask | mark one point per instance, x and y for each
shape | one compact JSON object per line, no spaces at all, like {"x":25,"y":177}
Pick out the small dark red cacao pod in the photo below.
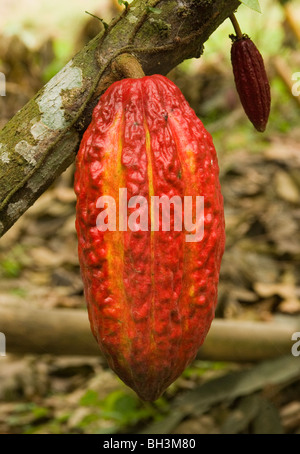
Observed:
{"x":251,"y":81}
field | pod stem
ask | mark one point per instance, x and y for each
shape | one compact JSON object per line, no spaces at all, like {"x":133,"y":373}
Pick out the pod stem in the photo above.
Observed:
{"x":236,"y":26}
{"x":126,"y":65}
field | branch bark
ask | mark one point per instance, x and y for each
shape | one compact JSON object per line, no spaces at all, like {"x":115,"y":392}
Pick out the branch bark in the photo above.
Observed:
{"x":41,"y":140}
{"x":67,"y":332}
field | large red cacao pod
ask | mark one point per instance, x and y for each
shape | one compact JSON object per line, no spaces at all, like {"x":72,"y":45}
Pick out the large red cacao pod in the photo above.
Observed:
{"x":251,"y":81}
{"x":151,"y":295}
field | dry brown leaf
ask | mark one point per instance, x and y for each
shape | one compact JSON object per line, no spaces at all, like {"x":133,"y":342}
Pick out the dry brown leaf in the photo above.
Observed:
{"x":290,"y":306}
{"x":290,"y":415}
{"x":286,"y":188}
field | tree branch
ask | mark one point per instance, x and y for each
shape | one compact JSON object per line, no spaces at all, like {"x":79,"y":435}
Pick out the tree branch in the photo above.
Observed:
{"x":41,"y":140}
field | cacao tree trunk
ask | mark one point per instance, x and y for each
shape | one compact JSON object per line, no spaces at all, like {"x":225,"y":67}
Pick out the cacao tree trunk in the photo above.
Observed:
{"x":41,"y":140}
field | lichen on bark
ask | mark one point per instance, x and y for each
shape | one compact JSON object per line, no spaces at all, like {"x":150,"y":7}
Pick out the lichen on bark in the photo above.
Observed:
{"x":41,"y":140}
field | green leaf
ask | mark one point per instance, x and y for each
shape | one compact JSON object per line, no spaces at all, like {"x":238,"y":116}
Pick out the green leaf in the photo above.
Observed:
{"x":99,"y":18}
{"x":253,"y":4}
{"x":153,"y":10}
{"x":122,"y":2}
{"x":90,"y":398}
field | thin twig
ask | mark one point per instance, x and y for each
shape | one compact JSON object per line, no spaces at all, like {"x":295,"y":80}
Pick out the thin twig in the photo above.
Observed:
{"x":236,"y":26}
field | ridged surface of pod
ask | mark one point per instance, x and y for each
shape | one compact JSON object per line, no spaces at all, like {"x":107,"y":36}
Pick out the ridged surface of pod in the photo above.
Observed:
{"x":151,"y":295}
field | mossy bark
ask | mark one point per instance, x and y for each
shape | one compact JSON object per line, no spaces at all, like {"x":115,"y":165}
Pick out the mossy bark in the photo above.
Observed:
{"x":41,"y":140}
